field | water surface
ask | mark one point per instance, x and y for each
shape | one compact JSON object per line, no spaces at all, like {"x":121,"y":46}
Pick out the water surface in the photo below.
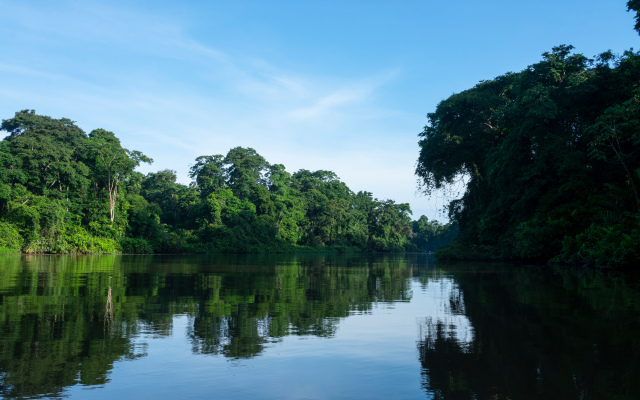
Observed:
{"x":312,"y":327}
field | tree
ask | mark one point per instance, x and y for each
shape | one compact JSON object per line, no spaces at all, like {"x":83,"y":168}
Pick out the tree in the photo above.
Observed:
{"x":208,"y":174}
{"x":161,"y":188}
{"x":45,"y":155}
{"x":278,"y":179}
{"x":617,"y":140}
{"x":244,"y":168}
{"x":431,"y":235}
{"x":534,"y":148}
{"x":112,"y":163}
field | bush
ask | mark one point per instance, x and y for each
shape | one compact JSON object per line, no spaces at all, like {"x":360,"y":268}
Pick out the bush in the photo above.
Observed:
{"x":136,"y":246}
{"x":602,"y":246}
{"x":6,"y":250}
{"x":10,"y":238}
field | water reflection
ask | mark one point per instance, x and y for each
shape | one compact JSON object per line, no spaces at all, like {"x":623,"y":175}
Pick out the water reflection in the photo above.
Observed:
{"x":66,"y":320}
{"x":536,"y":334}
{"x":483,"y":331}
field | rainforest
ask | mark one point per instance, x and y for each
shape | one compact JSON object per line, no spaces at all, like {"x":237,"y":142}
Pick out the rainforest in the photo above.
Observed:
{"x":63,"y":191}
{"x":548,"y":157}
{"x":238,"y":278}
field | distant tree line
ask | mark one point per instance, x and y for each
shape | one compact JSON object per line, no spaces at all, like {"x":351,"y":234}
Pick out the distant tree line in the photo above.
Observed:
{"x":63,"y":191}
{"x":551,"y":157}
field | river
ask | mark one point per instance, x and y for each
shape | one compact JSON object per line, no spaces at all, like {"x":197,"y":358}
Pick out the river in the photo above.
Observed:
{"x":313,"y":326}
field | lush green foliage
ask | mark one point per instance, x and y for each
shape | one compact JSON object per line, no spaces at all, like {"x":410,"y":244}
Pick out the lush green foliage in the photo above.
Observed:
{"x":550,"y":155}
{"x":62,"y":191}
{"x":431,"y":235}
{"x":50,"y":188}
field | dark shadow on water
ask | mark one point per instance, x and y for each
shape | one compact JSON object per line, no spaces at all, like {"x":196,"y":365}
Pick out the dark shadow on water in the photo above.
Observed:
{"x":537,"y":334}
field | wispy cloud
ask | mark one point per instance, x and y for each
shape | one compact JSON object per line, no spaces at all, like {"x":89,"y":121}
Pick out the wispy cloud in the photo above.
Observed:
{"x":331,"y":102}
{"x":174,"y":97}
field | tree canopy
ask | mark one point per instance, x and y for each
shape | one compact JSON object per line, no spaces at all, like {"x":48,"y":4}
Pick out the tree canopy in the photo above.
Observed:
{"x":550,"y":158}
{"x":62,"y":191}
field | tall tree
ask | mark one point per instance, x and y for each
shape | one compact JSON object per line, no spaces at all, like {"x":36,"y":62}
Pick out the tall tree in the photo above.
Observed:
{"x":208,"y":174}
{"x":46,"y":156}
{"x":112,"y":163}
{"x":244,"y":168}
{"x":161,"y":188}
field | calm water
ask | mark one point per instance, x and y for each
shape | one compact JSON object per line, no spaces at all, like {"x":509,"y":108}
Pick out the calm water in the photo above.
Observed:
{"x":312,"y":327}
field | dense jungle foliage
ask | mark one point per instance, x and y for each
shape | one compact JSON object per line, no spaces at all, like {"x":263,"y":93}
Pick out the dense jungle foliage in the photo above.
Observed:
{"x":62,"y":191}
{"x":550,"y":159}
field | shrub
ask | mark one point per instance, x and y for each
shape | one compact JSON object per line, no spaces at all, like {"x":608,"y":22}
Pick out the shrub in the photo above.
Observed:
{"x":10,"y":238}
{"x":136,"y":246}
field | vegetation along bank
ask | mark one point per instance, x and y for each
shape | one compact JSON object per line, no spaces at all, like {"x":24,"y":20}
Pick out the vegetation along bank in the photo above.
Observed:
{"x":551,"y":160}
{"x":63,"y":191}
{"x":550,"y":156}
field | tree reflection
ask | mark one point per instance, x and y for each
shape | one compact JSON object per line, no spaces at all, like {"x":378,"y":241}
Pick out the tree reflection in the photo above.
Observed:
{"x":449,"y":365}
{"x":247,"y":309}
{"x":56,"y":328}
{"x":535,"y":335}
{"x":65,"y":320}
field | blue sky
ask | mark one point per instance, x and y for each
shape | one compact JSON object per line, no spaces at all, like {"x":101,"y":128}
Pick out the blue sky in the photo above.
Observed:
{"x":335,"y":85}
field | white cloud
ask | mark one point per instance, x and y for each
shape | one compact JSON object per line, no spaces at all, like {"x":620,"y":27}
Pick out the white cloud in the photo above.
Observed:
{"x":325,"y":104}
